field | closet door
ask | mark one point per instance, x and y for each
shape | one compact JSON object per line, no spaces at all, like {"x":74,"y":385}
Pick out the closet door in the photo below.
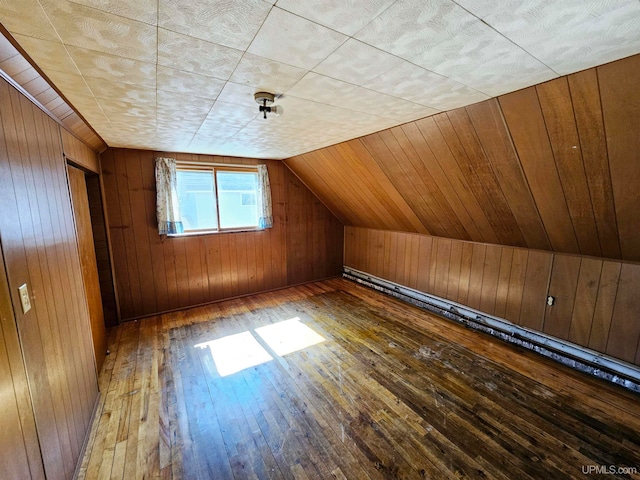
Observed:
{"x":86,"y":247}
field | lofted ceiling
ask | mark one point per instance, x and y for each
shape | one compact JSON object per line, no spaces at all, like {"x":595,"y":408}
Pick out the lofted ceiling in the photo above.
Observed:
{"x":552,"y":167}
{"x":179,"y":75}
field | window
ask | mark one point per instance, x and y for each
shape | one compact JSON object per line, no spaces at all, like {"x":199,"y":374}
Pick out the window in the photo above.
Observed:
{"x":213,"y":198}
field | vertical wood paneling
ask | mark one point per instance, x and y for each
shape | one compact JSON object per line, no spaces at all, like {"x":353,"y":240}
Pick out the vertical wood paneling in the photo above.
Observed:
{"x":424,"y":260}
{"x":488,"y":122}
{"x":465,"y":205}
{"x":621,"y":112}
{"x":453,"y":284}
{"x":562,"y":286}
{"x":18,"y":437}
{"x":557,"y":109}
{"x":312,"y":233}
{"x":443,"y":258}
{"x":585,"y":300}
{"x":525,"y":122}
{"x":490,"y":275}
{"x":504,"y":275}
{"x":438,"y":188}
{"x":465,"y":272}
{"x":534,"y":291}
{"x":463,"y":142}
{"x":585,"y":96}
{"x":516,"y":285}
{"x":79,"y":153}
{"x":475,"y":276}
{"x":40,"y":249}
{"x":596,"y":305}
{"x":625,"y":327}
{"x":155,"y":274}
{"x":603,"y":310}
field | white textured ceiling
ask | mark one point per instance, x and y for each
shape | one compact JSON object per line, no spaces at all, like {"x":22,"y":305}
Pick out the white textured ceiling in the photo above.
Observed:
{"x":179,"y":75}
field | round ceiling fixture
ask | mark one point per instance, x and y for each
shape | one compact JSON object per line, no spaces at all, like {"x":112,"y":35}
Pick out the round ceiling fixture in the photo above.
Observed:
{"x":265,"y":100}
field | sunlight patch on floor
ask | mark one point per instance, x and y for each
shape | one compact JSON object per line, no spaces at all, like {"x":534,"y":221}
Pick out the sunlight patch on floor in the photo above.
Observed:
{"x":234,"y":353}
{"x":289,"y":336}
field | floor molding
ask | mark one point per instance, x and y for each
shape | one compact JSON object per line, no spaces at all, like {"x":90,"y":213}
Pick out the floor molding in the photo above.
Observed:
{"x":575,"y":356}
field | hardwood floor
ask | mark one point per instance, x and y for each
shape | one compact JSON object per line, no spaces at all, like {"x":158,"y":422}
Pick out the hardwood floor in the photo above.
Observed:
{"x":389,"y":392}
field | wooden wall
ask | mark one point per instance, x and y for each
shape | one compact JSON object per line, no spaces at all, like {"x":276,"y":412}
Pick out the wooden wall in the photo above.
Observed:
{"x":155,"y":274}
{"x":597,"y":301}
{"x":40,"y":249}
{"x":553,"y":167}
{"x":79,"y":153}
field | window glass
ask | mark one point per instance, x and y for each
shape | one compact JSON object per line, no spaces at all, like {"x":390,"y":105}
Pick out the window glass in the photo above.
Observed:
{"x":237,"y":199}
{"x":196,"y":198}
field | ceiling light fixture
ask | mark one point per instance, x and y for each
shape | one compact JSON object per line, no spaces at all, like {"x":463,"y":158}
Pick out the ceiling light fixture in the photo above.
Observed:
{"x":265,"y":100}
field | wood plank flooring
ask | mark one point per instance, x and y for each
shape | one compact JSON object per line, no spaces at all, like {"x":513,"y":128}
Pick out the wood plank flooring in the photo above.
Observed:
{"x":391,"y":392}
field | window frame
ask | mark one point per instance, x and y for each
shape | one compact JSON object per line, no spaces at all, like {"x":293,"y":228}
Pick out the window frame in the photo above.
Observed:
{"x":213,"y":168}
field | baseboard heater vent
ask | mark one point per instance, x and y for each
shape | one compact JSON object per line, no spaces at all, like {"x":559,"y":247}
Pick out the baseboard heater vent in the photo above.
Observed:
{"x":577,"y":357}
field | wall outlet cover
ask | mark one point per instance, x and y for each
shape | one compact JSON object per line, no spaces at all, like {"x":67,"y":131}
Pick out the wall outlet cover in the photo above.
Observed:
{"x":24,"y":298}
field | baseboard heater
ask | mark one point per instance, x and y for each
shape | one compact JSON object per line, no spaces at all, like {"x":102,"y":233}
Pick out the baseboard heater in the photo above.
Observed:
{"x":577,"y":357}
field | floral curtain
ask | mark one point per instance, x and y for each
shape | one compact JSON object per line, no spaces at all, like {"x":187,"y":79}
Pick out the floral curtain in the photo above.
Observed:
{"x":265,"y":216}
{"x":167,"y":197}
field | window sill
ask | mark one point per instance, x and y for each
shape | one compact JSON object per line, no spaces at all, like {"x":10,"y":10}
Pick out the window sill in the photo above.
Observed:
{"x":215,"y":232}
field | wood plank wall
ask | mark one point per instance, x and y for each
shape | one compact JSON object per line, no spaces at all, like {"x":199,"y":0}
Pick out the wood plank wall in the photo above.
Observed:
{"x":78,"y":153}
{"x":40,"y":249}
{"x":552,"y":167}
{"x":18,"y":438}
{"x":155,"y":274}
{"x":597,"y":301}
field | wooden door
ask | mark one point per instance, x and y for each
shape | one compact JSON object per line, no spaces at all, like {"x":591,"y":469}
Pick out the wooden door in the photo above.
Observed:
{"x":80,"y":200}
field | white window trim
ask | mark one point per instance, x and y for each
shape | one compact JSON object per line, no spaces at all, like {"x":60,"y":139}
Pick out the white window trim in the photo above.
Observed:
{"x":186,"y":165}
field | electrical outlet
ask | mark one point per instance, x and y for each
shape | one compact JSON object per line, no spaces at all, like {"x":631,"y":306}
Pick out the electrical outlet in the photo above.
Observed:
{"x":551,"y":300}
{"x":24,"y":298}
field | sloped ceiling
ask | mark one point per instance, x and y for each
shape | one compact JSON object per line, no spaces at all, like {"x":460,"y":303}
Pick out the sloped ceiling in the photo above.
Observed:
{"x":179,"y":75}
{"x":553,"y":167}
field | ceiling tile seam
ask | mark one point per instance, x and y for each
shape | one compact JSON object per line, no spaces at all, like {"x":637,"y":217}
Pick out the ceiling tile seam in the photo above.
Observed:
{"x":78,"y":70}
{"x":507,"y":38}
{"x":239,"y":130}
{"x":226,"y":81}
{"x":92,"y":7}
{"x":409,"y":61}
{"x":244,"y":52}
{"x":333,"y":29}
{"x":198,"y":129}
{"x":315,"y":23}
{"x":199,"y":40}
{"x":74,"y":64}
{"x":437,"y":110}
